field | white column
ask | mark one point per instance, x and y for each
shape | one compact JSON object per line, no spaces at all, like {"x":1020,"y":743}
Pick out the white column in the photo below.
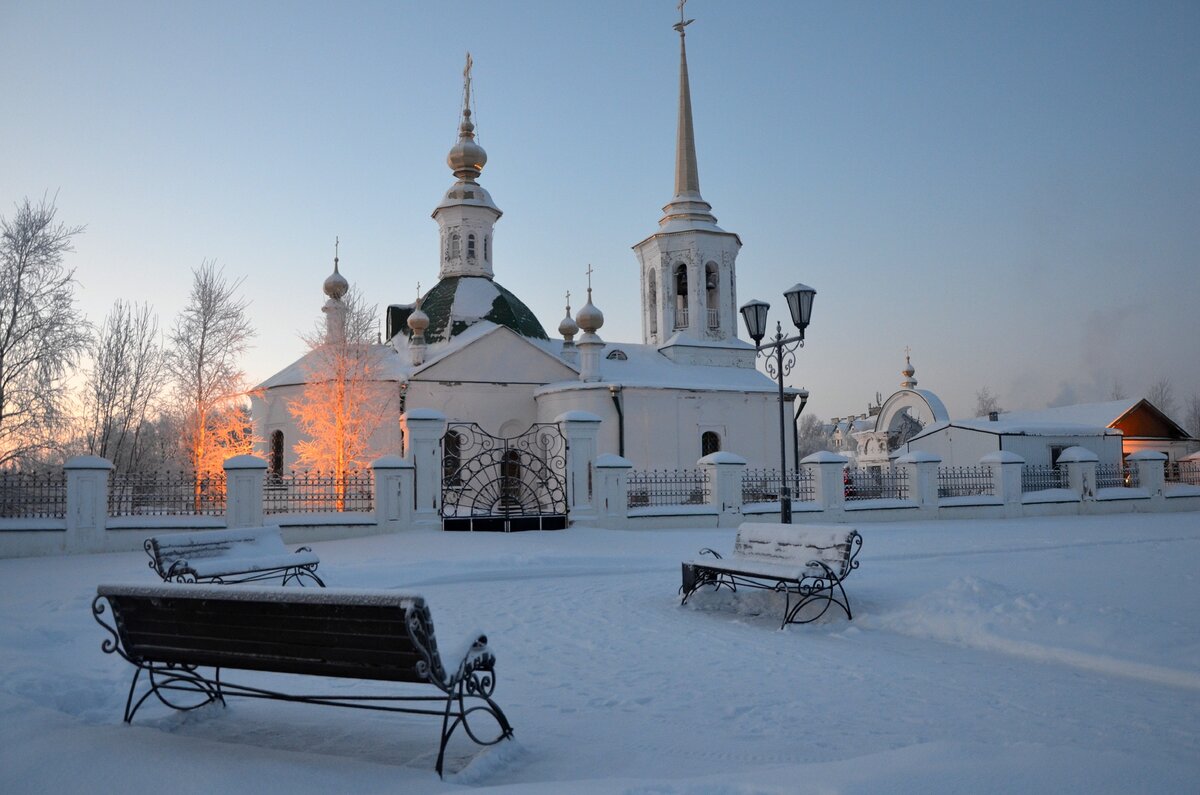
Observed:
{"x":244,"y":476}
{"x":581,"y":429}
{"x":1081,"y":470}
{"x":87,"y":503}
{"x":612,"y":490}
{"x":1006,"y":477}
{"x":725,"y":472}
{"x":922,"y":469}
{"x":393,"y":493}
{"x":829,"y":487}
{"x":1149,"y":465}
{"x":423,"y":432}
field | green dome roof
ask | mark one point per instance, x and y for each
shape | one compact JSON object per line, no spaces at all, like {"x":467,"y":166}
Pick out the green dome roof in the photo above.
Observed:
{"x":456,"y":303}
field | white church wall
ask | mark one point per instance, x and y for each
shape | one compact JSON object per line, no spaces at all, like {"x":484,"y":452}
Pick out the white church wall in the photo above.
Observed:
{"x":497,"y":408}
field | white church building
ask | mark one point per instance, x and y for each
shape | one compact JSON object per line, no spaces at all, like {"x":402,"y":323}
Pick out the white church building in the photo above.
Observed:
{"x":473,"y":351}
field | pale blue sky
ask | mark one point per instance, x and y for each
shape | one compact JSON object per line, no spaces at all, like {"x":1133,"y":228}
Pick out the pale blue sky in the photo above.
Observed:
{"x":1013,"y":189}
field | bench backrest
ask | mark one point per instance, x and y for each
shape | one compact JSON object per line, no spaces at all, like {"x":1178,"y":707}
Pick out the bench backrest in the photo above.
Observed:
{"x":244,"y":542}
{"x":833,"y":545}
{"x":327,"y":632}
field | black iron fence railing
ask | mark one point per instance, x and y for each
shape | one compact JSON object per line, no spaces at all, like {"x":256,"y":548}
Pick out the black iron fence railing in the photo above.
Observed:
{"x":874,"y":483}
{"x":668,"y":487}
{"x":318,"y":492}
{"x":166,"y":494}
{"x":1040,"y":477}
{"x":33,"y":495}
{"x":762,"y":485}
{"x":969,"y":481}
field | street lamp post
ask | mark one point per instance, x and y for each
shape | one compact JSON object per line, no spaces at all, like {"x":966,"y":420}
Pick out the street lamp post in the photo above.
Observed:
{"x":780,"y":356}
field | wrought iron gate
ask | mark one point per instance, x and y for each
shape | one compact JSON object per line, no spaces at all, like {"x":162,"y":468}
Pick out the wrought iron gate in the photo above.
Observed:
{"x":504,"y":484}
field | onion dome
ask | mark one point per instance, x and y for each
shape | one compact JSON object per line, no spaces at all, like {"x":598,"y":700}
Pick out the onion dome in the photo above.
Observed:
{"x":908,"y":372}
{"x":418,"y":321}
{"x":567,"y":327}
{"x":589,"y":318}
{"x":466,"y":158}
{"x":336,"y":285}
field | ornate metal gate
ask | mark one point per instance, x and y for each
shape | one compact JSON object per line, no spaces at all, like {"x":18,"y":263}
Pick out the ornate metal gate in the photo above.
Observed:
{"x":504,"y":484}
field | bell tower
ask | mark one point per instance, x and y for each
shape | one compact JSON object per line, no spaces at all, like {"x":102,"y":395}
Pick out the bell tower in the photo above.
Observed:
{"x":688,"y":267}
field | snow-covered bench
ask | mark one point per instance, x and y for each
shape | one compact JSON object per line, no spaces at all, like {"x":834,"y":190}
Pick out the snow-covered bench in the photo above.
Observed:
{"x":246,"y":554}
{"x":806,"y":562}
{"x":172,"y":632}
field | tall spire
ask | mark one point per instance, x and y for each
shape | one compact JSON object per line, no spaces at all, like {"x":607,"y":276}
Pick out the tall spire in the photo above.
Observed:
{"x":686,"y":205}
{"x":467,"y":158}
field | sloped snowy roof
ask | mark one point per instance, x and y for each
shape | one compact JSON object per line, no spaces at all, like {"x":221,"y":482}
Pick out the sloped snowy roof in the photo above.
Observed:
{"x":391,"y":367}
{"x":1015,"y":428}
{"x":1102,"y":414}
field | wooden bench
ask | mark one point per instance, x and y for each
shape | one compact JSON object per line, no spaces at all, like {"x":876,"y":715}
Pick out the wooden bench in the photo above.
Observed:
{"x":248,"y":554}
{"x":169,"y":632}
{"x":808,"y":563}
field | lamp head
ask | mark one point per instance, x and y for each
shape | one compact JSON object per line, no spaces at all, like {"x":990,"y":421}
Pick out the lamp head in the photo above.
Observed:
{"x":754,"y":314}
{"x":800,"y":301}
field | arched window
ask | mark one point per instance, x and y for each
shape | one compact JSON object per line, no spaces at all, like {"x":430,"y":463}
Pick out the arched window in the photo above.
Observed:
{"x":710,"y":442}
{"x":681,"y":296}
{"x":652,"y":302}
{"x":486,"y":256}
{"x":454,"y":244}
{"x":470,"y":246}
{"x":712,"y":293}
{"x":275,"y":457}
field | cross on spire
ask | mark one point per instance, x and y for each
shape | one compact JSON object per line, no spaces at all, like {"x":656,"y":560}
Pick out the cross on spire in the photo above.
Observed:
{"x":336,"y":243}
{"x":589,"y":275}
{"x":568,"y":302}
{"x":681,"y":24}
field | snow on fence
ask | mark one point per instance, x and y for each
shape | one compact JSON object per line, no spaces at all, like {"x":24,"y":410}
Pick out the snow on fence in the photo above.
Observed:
{"x":965,"y":482}
{"x":33,"y":494}
{"x":316,"y":492}
{"x":1040,"y":477}
{"x":166,"y":494}
{"x":653,"y":487}
{"x":762,"y":485}
{"x":875,"y":483}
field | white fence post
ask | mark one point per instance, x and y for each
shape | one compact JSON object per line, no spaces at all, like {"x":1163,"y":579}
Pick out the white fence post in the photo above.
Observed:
{"x":1149,"y":466}
{"x":87,"y":503}
{"x":612,"y":490}
{"x":829,"y":485}
{"x":1081,"y":470}
{"x":393,"y":493}
{"x":244,"y":476}
{"x":423,"y":432}
{"x":581,"y":429}
{"x":1006,"y":469}
{"x":724,"y":471}
{"x":922,"y":469}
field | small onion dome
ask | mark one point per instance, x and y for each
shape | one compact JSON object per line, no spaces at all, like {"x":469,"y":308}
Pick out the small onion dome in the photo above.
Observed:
{"x":418,"y":321}
{"x":466,"y":158}
{"x":908,"y":372}
{"x":568,"y":327}
{"x":589,"y":318}
{"x":336,"y":285}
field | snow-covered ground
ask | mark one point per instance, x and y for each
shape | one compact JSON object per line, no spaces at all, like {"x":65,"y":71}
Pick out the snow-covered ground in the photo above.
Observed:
{"x":1037,"y":655}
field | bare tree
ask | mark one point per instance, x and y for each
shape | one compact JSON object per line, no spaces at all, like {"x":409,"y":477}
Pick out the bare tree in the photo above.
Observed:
{"x":41,"y":335}
{"x":1118,"y":390}
{"x":1162,"y":396}
{"x":1191,"y":417}
{"x":207,"y":341}
{"x":123,"y":381}
{"x":986,"y":403}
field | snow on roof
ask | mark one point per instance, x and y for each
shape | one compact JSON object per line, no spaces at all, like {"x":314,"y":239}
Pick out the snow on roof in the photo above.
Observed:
{"x":1102,"y":414}
{"x":392,"y":367}
{"x":1012,"y":428}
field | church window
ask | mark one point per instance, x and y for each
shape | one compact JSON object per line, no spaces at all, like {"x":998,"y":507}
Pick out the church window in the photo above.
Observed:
{"x":454,"y":244}
{"x":652,"y":302}
{"x":275,"y":456}
{"x":470,"y":246}
{"x":486,"y":256}
{"x":681,"y":296}
{"x":617,"y":355}
{"x":710,"y":442}
{"x":711,"y":294}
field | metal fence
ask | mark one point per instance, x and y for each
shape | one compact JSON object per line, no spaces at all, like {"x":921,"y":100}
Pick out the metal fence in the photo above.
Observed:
{"x":317,"y":492}
{"x":668,"y":487}
{"x":762,"y":485}
{"x":972,"y":481}
{"x":874,"y":483}
{"x":166,"y":494}
{"x":1183,"y":472}
{"x":33,"y":495}
{"x":1115,"y":476}
{"x":1040,"y":477}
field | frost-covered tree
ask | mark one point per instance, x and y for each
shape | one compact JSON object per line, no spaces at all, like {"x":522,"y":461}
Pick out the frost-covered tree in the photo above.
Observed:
{"x":207,"y":342}
{"x":41,"y":334}
{"x":343,"y":402}
{"x":986,"y":403}
{"x":124,"y":379}
{"x":812,"y":436}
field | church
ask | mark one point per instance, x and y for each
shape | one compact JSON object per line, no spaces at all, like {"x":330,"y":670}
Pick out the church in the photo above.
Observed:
{"x":473,"y":351}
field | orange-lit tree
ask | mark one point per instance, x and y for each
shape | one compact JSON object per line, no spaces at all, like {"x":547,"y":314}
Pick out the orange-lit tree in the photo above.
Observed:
{"x":343,"y":401}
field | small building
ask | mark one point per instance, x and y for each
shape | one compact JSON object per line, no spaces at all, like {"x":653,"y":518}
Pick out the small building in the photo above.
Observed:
{"x":964,"y":442}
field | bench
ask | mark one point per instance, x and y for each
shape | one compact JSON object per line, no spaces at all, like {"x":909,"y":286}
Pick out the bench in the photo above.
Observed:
{"x":247,"y":554}
{"x":808,"y":563}
{"x":169,"y":632}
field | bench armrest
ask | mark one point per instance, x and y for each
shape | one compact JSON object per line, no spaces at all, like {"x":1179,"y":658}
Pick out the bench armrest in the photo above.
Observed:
{"x":711,"y":551}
